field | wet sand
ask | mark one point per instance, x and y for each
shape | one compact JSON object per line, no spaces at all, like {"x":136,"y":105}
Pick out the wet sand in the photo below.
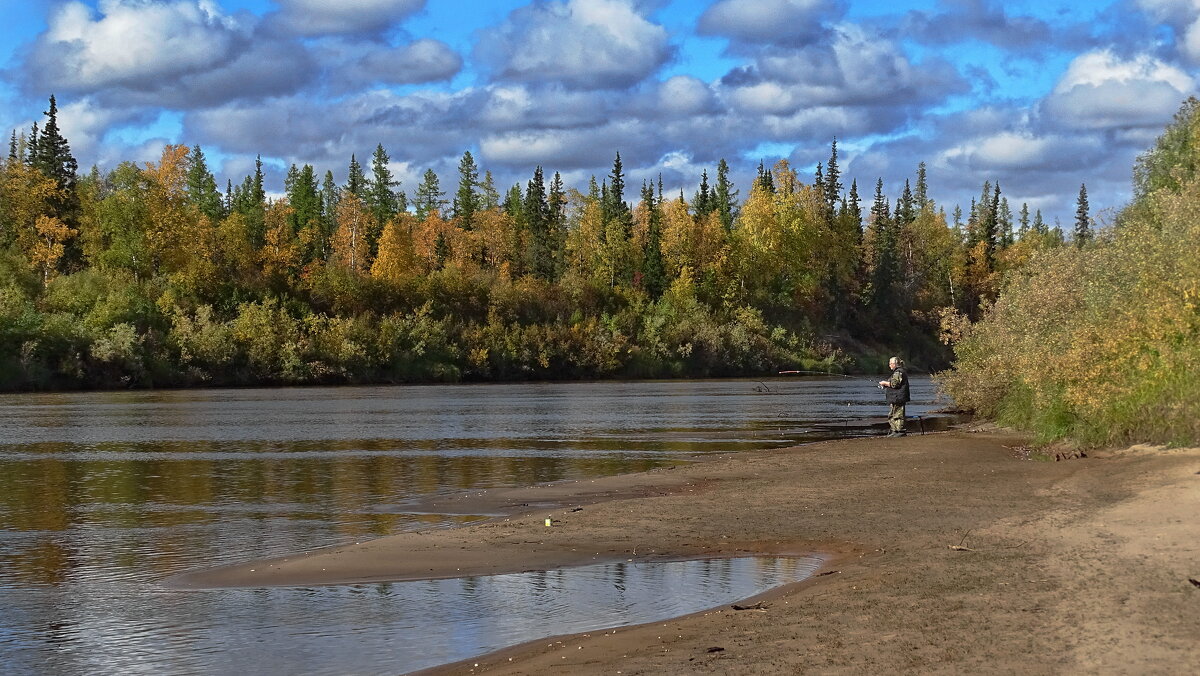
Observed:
{"x":946,"y":553}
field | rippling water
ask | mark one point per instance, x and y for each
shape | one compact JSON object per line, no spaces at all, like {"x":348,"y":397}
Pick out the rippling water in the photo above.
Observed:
{"x":102,"y":495}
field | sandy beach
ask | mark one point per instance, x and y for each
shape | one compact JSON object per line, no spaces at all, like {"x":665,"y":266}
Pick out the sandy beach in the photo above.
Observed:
{"x":947,"y":553}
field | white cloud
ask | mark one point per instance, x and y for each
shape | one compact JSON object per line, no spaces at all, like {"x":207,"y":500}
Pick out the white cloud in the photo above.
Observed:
{"x":354,"y":65}
{"x":776,"y":21}
{"x":588,"y":44}
{"x":685,"y":95}
{"x":1101,"y":90}
{"x":1183,"y":16}
{"x":1007,"y":151}
{"x":343,"y":17}
{"x":131,"y":43}
{"x":853,"y":67}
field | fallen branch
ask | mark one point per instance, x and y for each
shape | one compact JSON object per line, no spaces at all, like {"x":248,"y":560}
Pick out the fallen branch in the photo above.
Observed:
{"x":757,"y":606}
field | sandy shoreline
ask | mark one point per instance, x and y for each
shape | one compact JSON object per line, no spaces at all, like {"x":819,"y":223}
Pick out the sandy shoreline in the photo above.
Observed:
{"x":1071,"y":567}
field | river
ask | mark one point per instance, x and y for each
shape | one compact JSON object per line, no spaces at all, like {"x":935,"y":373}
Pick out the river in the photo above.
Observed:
{"x":104,"y":495}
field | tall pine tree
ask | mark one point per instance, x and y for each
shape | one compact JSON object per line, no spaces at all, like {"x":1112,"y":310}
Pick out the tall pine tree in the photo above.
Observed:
{"x":429,"y":195}
{"x":1083,"y":228}
{"x":466,"y":200}
{"x":202,"y":186}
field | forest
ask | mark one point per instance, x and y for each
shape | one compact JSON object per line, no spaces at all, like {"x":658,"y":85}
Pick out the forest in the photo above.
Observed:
{"x":152,"y":275}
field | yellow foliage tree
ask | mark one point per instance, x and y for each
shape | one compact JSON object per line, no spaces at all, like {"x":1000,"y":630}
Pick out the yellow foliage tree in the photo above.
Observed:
{"x":350,"y":247}
{"x":280,"y":254}
{"x":436,"y":240}
{"x":52,"y":235}
{"x":493,"y":231}
{"x":25,"y":195}
{"x":583,"y":243}
{"x":172,"y":223}
{"x":396,"y":259}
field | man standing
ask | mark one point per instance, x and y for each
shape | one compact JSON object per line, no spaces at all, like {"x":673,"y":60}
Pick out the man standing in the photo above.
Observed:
{"x":896,"y":391}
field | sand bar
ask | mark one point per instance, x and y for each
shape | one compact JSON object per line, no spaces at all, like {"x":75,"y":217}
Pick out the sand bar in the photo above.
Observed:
{"x":952,"y":553}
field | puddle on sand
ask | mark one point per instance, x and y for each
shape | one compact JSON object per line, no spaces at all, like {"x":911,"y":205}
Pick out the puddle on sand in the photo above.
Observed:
{"x":405,"y":626}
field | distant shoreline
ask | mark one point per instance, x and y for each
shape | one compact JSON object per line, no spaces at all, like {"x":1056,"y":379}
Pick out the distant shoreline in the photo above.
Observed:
{"x":1073,"y":566}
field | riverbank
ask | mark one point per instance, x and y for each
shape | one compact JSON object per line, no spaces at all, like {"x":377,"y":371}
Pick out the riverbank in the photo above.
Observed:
{"x":952,"y":552}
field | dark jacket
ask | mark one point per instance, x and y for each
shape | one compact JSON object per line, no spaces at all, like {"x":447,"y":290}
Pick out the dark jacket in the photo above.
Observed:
{"x":898,"y":392}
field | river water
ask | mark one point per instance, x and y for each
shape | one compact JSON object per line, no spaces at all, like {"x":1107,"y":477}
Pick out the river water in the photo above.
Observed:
{"x":104,"y":495}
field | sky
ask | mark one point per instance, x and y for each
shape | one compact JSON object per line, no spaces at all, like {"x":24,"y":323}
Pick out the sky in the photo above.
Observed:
{"x":1039,"y":95}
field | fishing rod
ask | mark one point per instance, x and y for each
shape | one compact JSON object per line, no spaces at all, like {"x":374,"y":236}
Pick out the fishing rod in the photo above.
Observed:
{"x":827,"y":373}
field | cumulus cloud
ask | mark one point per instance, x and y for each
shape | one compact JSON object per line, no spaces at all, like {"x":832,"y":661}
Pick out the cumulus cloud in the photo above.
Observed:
{"x":342,"y":17}
{"x":1101,"y":90}
{"x":585,"y":44}
{"x":364,"y":64}
{"x":985,"y":20}
{"x":181,"y":54}
{"x":325,"y":133}
{"x":1011,"y":151}
{"x":787,"y":22}
{"x":1183,"y":17}
{"x":866,"y":79}
{"x":685,"y":95}
{"x":131,"y":44}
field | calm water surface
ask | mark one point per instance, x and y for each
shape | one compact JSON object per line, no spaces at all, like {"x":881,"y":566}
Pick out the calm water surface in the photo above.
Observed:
{"x":103,"y":495}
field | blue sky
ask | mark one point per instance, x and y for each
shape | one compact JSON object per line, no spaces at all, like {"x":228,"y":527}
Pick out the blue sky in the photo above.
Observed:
{"x":1040,"y":96}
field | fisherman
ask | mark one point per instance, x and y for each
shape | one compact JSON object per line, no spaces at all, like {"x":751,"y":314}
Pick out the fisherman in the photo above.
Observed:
{"x":896,"y":391}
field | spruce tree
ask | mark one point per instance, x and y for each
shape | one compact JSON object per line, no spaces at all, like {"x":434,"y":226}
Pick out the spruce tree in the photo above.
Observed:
{"x":50,"y":153}
{"x":466,"y":200}
{"x":429,"y":195}
{"x":764,"y":179}
{"x":260,"y":193}
{"x":1083,"y":230}
{"x":724,"y":196}
{"x":489,"y":198}
{"x":537,"y":223}
{"x":1023,"y":228}
{"x":514,"y":208}
{"x":702,"y":202}
{"x":557,"y":202}
{"x":991,"y":227}
{"x":654,"y":274}
{"x":1004,"y":223}
{"x":249,"y":200}
{"x":330,"y":196}
{"x":617,"y":210}
{"x":833,"y":178}
{"x":202,"y":186}
{"x":922,"y":194}
{"x":381,"y":195}
{"x":356,"y":180}
{"x":307,"y":212}
{"x":905,"y":206}
{"x":854,"y":208}
{"x":886,"y":267}
{"x":441,"y":251}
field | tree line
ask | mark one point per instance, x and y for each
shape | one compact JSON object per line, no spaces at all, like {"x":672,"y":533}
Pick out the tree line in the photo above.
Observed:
{"x":152,"y":275}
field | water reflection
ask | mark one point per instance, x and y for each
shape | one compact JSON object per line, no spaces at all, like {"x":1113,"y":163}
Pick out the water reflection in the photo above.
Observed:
{"x":128,"y":488}
{"x":380,"y":628}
